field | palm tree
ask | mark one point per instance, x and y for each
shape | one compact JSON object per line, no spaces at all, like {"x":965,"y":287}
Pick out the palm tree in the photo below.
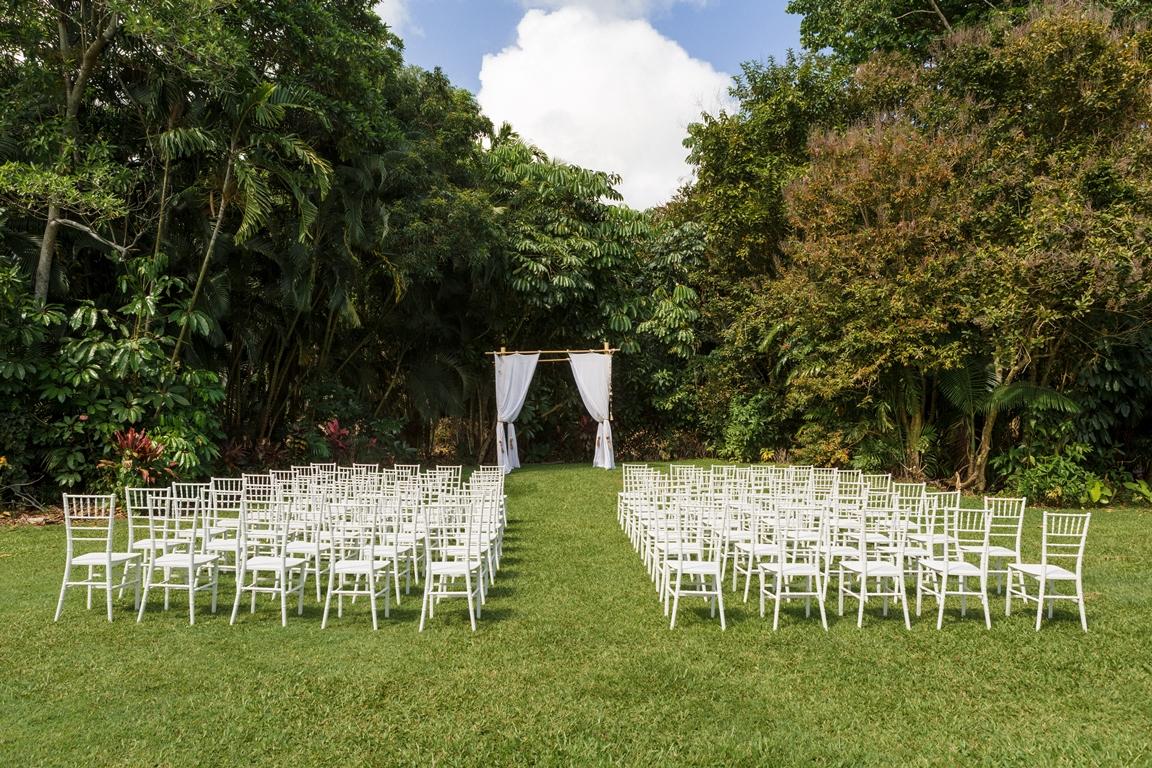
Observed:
{"x":979,"y":389}
{"x":261,"y":164}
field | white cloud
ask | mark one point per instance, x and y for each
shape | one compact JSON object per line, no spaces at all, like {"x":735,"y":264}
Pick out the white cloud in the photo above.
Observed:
{"x":396,"y":15}
{"x":627,"y":9}
{"x":607,"y":93}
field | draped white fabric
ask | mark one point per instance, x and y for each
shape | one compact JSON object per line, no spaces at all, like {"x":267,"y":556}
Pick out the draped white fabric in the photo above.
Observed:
{"x":593,"y":374}
{"x":513,"y":375}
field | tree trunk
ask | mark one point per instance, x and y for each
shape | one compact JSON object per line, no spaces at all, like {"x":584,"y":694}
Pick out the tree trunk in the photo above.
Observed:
{"x":977,"y":479}
{"x":47,"y":253}
{"x":204,"y":263}
{"x":73,"y":98}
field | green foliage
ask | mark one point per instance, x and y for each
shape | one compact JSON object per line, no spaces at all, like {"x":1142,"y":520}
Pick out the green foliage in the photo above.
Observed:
{"x":955,"y":244}
{"x":1056,"y":479}
{"x":905,"y":248}
{"x":749,"y":431}
{"x":1141,"y":490}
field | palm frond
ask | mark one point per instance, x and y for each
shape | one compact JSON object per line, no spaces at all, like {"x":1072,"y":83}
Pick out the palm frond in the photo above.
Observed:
{"x":1023,"y":394}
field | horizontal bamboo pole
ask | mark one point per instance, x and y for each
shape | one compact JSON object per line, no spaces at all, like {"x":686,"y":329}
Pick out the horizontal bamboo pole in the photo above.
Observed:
{"x":503,"y":351}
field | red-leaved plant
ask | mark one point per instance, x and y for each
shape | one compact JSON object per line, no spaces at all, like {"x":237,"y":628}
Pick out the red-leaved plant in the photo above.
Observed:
{"x":139,"y":460}
{"x":338,"y":437}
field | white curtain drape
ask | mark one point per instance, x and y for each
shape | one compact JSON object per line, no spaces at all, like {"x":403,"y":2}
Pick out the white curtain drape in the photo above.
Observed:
{"x":513,"y":375}
{"x":593,"y":374}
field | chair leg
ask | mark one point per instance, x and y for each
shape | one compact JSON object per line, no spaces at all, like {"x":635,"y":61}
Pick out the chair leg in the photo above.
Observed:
{"x":108,"y":590}
{"x":372,"y":597}
{"x":318,"y":558}
{"x":820,"y":602}
{"x":1080,"y":603}
{"x":919,"y":589}
{"x":328,"y":597}
{"x":63,"y":589}
{"x":840,"y":592}
{"x":941,"y":598}
{"x":424,"y":602}
{"x":863,"y":598}
{"x":468,"y":589}
{"x":900,"y":588}
{"x":720,"y":599}
{"x":675,"y":601}
{"x":284,"y":600}
{"x":779,"y":598}
{"x":984,"y":602}
{"x":1040,"y":603}
{"x":137,"y":574}
{"x":192,"y":578}
{"x":388,"y":595}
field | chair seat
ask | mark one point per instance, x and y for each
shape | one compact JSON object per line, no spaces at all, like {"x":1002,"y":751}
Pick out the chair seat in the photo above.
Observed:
{"x":792,"y":569}
{"x":687,"y":549}
{"x":271,"y":563}
{"x":1049,"y":572}
{"x":308,"y":547}
{"x":389,"y":552}
{"x":185,"y":560}
{"x":454,"y":567}
{"x":694,"y":567}
{"x":993,"y":551}
{"x":954,"y":567}
{"x":101,"y":558}
{"x":930,"y":538}
{"x":150,"y":545}
{"x":360,"y":566}
{"x":878,"y":568}
{"x":909,"y":552}
{"x":754,"y":548}
{"x":223,"y":545}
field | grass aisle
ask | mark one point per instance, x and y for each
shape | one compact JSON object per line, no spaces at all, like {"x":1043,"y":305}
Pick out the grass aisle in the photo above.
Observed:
{"x":573,"y":665}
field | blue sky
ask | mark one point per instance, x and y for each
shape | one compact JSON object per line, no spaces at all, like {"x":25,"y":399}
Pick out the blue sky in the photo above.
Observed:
{"x":455,"y":34}
{"x":606,"y":84}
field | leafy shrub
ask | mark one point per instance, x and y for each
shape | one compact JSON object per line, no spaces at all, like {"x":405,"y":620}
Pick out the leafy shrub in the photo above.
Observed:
{"x":1059,"y":478}
{"x":749,"y":429}
{"x":138,"y":461}
{"x":821,"y":446}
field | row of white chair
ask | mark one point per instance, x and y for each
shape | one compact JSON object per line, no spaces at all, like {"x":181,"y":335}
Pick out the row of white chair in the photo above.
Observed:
{"x":361,"y":529}
{"x":800,"y":529}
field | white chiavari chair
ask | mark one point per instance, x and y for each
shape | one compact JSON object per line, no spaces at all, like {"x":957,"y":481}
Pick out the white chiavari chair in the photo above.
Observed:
{"x":1063,"y":539}
{"x":89,"y":526}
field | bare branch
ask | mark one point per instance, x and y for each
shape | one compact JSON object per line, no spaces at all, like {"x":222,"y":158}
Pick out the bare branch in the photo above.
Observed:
{"x":940,"y":13}
{"x":121,"y":249}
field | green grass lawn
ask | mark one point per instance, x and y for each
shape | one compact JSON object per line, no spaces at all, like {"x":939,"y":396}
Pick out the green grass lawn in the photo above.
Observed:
{"x":574,"y":665}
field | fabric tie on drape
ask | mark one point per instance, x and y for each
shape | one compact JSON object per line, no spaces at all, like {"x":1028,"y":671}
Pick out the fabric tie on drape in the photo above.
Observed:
{"x":593,"y":374}
{"x":513,"y":375}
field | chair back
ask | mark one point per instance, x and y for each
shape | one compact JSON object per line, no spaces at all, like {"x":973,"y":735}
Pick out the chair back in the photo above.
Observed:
{"x":1007,"y":522}
{"x":1065,"y":535}
{"x":969,"y":528}
{"x":142,"y":504}
{"x":89,"y":520}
